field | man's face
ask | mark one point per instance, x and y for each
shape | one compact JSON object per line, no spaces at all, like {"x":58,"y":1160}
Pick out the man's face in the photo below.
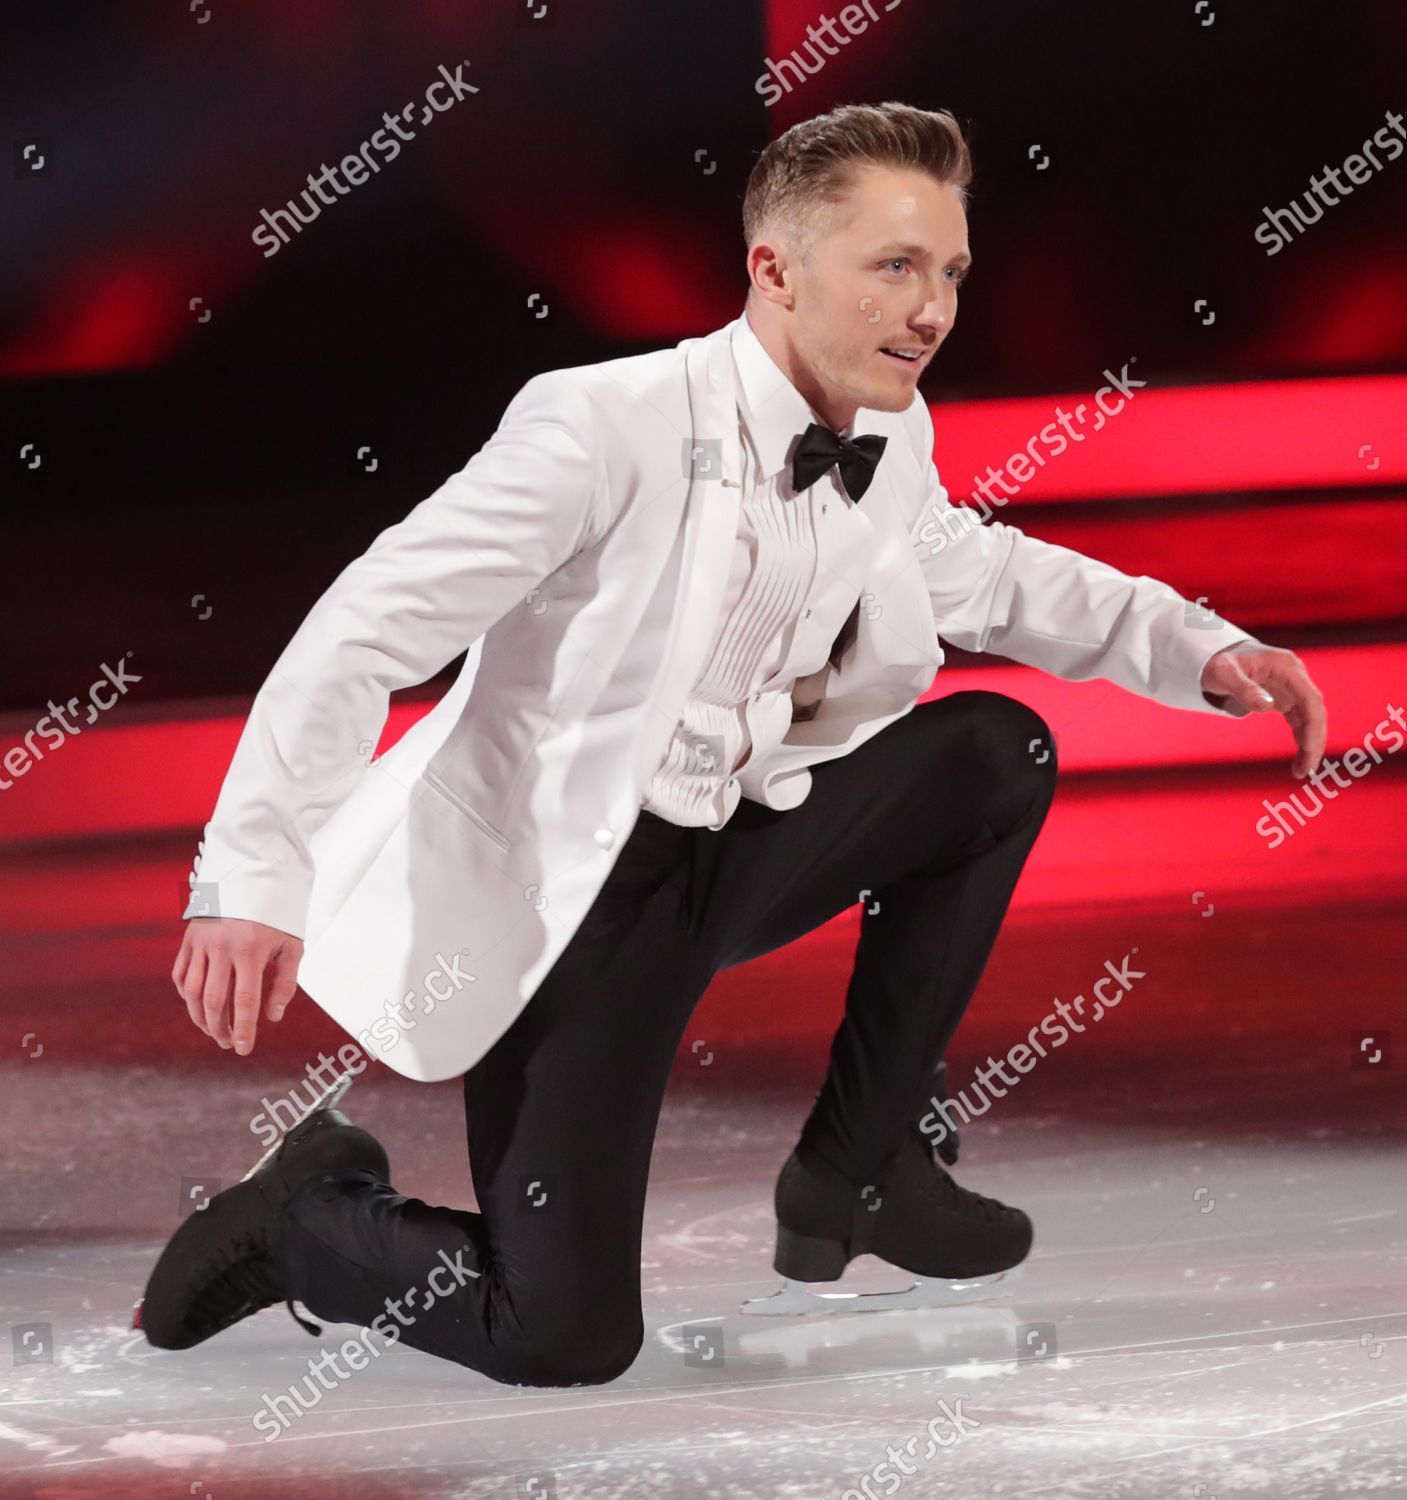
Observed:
{"x":884,"y":274}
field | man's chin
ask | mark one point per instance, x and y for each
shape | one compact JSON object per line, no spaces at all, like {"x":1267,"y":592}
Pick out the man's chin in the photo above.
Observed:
{"x":889,"y":400}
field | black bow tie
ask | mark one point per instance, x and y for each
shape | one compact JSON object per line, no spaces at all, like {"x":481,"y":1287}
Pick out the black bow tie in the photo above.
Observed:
{"x":819,"y":448}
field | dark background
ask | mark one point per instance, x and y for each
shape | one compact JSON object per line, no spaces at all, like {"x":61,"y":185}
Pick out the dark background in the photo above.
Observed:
{"x":218,"y":458}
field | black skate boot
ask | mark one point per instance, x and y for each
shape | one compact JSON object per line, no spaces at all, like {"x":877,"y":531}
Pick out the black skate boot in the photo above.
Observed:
{"x":916,"y":1218}
{"x":222,"y":1264}
{"x":944,"y":1133}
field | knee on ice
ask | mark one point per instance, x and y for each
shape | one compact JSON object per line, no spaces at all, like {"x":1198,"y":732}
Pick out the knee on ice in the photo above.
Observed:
{"x":576,"y":1350}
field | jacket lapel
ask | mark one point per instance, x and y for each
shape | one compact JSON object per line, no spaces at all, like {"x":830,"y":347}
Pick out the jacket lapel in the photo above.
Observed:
{"x":710,"y":459}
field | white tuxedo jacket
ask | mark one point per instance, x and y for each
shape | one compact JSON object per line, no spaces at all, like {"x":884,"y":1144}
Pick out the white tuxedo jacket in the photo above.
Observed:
{"x":581,"y":557}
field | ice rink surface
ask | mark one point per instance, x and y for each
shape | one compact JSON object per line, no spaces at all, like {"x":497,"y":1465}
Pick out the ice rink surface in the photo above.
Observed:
{"x":1214,"y":1306}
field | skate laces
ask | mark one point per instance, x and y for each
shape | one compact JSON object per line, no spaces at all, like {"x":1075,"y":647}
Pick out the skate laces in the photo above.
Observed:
{"x":964,"y":1198}
{"x":314,"y":1328}
{"x":245,"y":1283}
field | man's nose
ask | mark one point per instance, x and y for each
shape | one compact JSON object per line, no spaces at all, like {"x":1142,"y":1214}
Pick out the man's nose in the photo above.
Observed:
{"x":932,"y":321}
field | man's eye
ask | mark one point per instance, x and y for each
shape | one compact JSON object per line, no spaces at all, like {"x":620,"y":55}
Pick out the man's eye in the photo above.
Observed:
{"x":959,"y":274}
{"x":898,"y":260}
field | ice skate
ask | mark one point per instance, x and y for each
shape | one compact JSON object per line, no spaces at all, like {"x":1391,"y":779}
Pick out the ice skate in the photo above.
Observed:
{"x":961,"y":1246}
{"x":221,"y":1265}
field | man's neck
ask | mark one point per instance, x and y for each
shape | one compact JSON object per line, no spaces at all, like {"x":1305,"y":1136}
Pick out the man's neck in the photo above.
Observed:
{"x":801,"y":378}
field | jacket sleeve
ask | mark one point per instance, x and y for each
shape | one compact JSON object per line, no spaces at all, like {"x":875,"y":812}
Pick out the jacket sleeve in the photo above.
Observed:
{"x":425,"y":590}
{"x":995,"y":589}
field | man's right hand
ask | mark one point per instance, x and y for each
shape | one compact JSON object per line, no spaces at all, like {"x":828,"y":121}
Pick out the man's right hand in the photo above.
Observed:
{"x":226,"y":967}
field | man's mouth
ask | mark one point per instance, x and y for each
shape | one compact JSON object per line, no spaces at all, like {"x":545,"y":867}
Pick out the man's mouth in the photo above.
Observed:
{"x":908,"y":357}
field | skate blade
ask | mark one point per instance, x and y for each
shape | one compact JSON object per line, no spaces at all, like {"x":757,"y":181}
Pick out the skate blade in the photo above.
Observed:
{"x":330,"y":1096}
{"x":796,"y":1297}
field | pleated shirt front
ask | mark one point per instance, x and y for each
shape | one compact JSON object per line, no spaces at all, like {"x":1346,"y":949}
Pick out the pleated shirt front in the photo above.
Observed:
{"x":799,"y":563}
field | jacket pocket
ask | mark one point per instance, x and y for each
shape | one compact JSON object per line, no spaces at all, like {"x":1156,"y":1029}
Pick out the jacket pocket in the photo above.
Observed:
{"x":458,"y":803}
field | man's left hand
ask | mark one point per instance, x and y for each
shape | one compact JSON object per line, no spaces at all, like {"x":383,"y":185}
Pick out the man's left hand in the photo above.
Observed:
{"x":1267,"y":679}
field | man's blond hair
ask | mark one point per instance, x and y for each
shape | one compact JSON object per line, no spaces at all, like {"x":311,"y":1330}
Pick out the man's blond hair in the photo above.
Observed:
{"x":803,"y":175}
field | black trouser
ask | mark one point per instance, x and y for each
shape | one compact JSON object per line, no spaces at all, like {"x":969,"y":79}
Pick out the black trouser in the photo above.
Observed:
{"x":931,"y":819}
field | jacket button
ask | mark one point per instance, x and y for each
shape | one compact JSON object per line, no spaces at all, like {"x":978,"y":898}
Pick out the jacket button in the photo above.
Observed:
{"x":605,"y":837}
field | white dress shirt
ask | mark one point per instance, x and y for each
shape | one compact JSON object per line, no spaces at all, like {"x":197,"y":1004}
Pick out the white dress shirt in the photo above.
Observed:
{"x":798,"y":567}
